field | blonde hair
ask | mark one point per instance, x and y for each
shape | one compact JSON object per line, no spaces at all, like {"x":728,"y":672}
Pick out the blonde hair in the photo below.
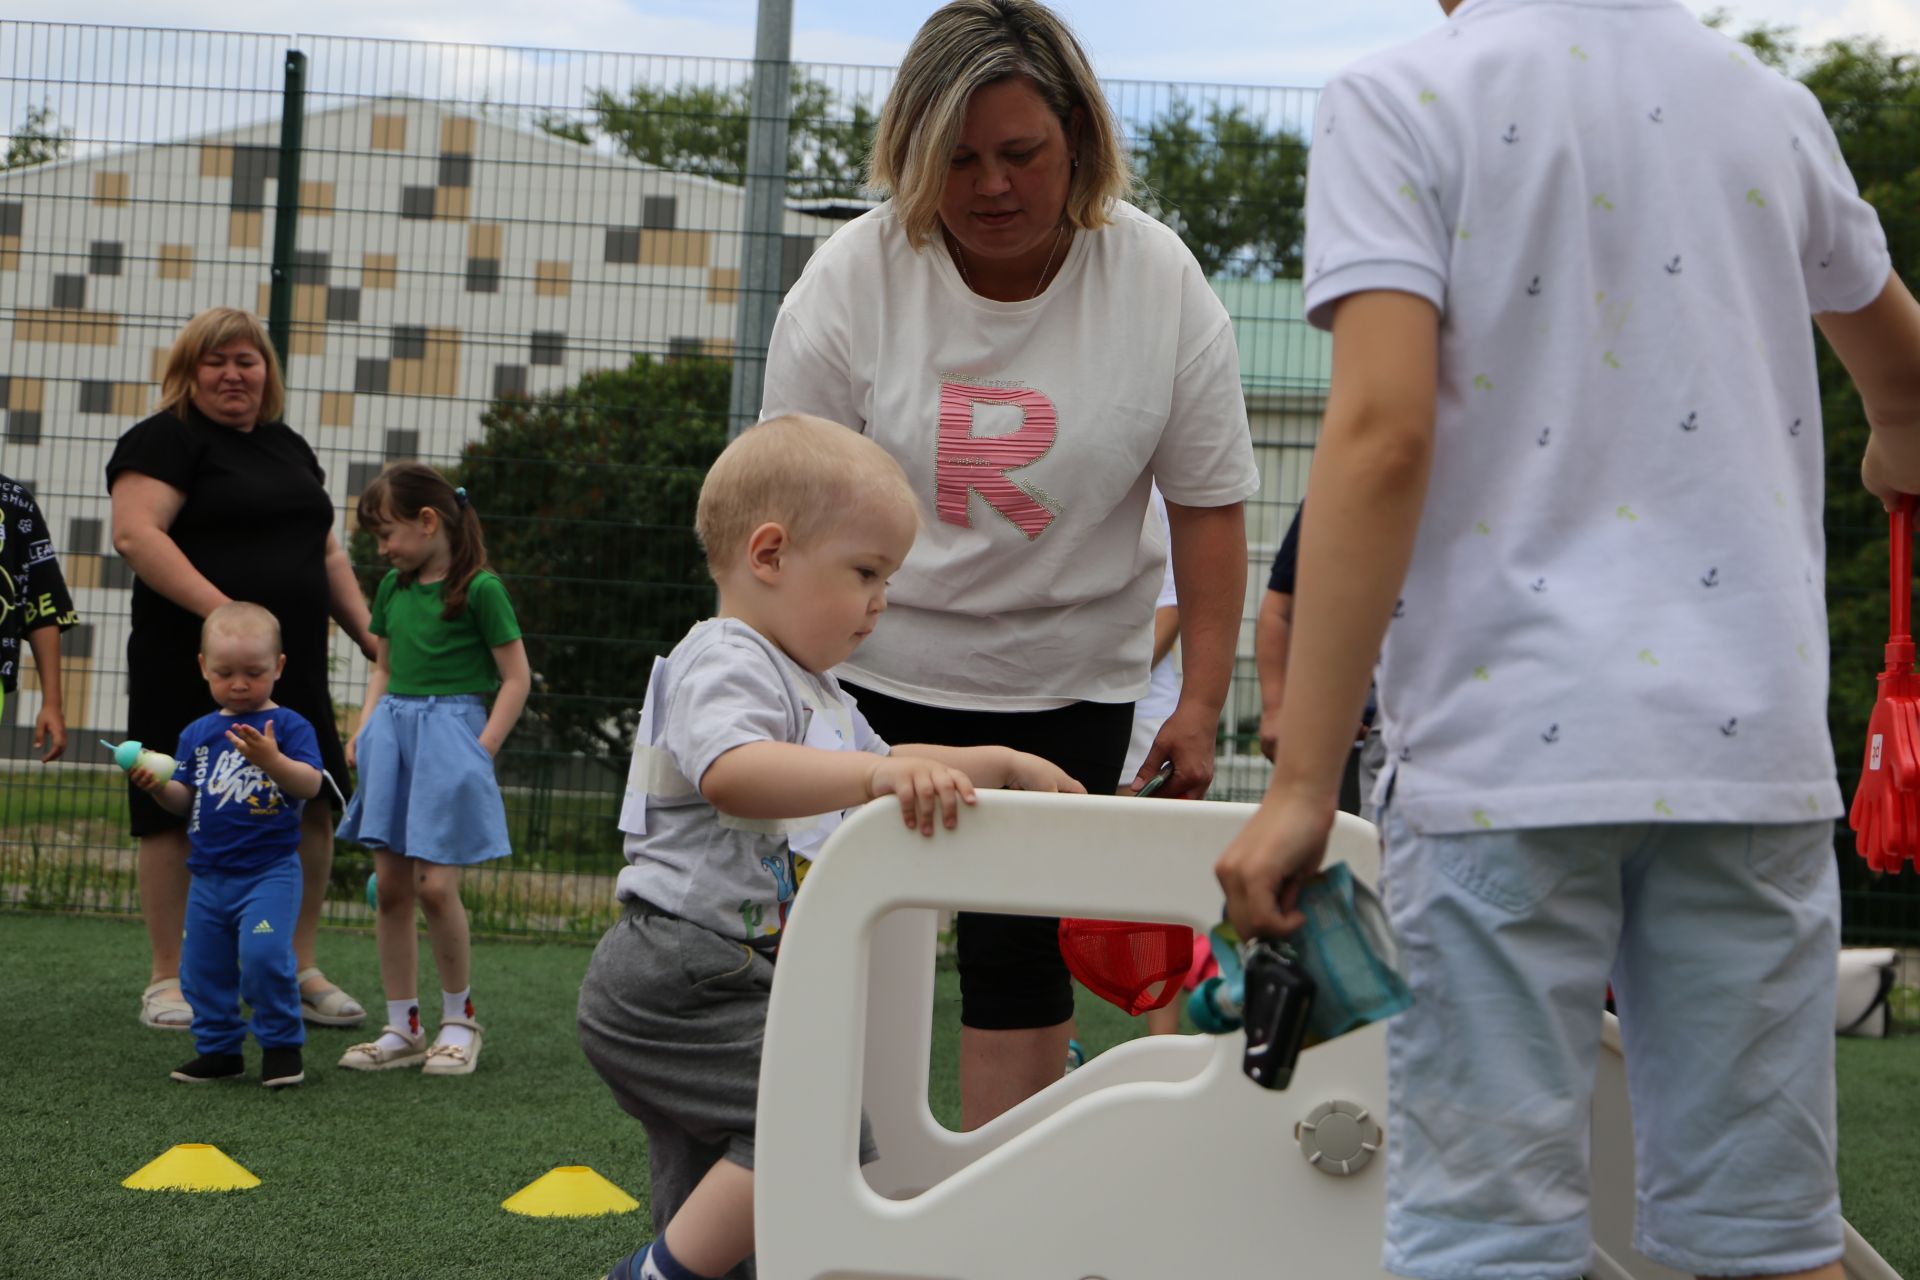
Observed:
{"x":963,"y":47}
{"x":804,"y":473}
{"x":240,"y":618}
{"x":209,"y":331}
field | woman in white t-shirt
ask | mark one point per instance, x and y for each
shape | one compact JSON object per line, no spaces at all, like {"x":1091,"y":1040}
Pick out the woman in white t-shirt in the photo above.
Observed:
{"x":1036,"y":353}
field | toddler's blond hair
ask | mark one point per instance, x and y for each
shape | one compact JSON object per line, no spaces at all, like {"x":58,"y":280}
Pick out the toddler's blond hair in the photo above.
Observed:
{"x":240,"y":618}
{"x":805,"y":473}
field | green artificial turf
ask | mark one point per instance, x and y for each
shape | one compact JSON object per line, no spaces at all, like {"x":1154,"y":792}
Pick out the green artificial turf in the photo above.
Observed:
{"x":375,"y":1175}
{"x":393,"y":1174}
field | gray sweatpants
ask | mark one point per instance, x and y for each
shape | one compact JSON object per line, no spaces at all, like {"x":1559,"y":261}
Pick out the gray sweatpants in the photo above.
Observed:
{"x":672,"y":1015}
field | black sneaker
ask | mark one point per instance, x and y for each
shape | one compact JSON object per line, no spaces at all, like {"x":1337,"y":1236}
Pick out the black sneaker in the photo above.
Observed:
{"x":209,"y":1067}
{"x":281,"y":1067}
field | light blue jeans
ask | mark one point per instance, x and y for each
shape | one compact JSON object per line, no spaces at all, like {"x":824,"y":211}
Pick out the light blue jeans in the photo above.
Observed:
{"x":1720,"y":943}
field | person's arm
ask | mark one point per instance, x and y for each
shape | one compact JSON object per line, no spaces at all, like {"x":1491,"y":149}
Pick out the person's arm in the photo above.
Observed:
{"x":769,"y":779}
{"x":296,"y":778}
{"x":997,"y":768}
{"x":1209,"y":551}
{"x":1166,"y":630}
{"x":143,"y":510}
{"x":516,"y":681}
{"x":174,"y":797}
{"x":50,"y":726}
{"x":1272,"y":626}
{"x":378,"y":673}
{"x":1880,"y":347}
{"x":1365,"y":497}
{"x":344,"y":600}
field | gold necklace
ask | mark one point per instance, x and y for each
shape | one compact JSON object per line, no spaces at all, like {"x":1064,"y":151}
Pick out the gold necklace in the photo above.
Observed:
{"x":960,"y":260}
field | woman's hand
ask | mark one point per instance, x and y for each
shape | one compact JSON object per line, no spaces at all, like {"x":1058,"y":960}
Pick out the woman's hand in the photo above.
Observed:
{"x":353,"y":752}
{"x":925,"y":788}
{"x":1187,"y":739}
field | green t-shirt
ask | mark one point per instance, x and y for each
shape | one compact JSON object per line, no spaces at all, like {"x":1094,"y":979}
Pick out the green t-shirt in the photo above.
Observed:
{"x":427,"y":655}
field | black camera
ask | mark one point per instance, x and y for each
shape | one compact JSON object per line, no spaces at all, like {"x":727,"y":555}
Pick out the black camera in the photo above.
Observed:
{"x":1279,"y":1002}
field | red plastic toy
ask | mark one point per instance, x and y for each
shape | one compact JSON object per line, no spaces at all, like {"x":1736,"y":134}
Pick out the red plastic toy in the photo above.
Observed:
{"x":1886,"y":806}
{"x":1121,"y":961}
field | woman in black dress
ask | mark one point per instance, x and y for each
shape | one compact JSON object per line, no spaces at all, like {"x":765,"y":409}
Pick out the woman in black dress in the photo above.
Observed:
{"x":216,"y":499}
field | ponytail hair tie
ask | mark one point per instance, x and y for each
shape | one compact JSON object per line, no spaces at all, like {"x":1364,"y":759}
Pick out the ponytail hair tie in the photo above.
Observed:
{"x":460,"y":498}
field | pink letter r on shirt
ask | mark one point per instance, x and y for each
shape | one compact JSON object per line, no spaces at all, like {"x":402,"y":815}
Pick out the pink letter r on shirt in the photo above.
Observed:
{"x":968,"y":462}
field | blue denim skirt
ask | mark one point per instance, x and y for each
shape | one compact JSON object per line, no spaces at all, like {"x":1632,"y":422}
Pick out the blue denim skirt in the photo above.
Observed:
{"x":427,"y":788}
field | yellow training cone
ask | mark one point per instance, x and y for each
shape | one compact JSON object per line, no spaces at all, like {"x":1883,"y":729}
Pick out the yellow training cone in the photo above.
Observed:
{"x":192,"y":1166}
{"x":571,"y":1191}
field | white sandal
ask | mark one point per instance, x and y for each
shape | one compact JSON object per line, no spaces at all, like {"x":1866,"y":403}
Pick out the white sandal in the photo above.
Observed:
{"x":374,"y":1056}
{"x":454,"y":1059}
{"x":163,"y":1012}
{"x":330,"y":1008}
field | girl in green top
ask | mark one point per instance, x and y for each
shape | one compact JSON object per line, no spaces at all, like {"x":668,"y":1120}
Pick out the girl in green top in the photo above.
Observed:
{"x":428,"y":803}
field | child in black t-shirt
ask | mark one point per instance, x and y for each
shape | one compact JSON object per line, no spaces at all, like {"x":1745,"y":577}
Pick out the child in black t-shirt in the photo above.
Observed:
{"x":34,"y":604}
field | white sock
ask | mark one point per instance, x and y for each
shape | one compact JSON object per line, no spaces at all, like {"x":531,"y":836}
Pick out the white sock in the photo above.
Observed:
{"x":455,"y":1004}
{"x":401,"y":1013}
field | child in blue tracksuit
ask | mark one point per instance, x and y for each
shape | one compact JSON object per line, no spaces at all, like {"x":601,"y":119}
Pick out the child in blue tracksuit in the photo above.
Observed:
{"x":248,"y":769}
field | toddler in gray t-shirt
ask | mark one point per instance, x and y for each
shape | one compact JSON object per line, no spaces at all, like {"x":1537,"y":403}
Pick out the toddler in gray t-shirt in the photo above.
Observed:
{"x":747,"y":753}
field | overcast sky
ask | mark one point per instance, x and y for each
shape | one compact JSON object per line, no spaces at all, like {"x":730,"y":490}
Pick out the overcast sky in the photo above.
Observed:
{"x":1234,"y":41}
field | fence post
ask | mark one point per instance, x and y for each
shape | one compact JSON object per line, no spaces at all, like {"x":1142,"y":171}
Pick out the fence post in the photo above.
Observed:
{"x":762,"y":239}
{"x":286,"y":212}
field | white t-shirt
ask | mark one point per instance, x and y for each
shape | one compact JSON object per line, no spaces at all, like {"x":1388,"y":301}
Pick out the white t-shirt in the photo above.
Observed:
{"x":1615,"y":608}
{"x":1031,"y":431}
{"x":1163,"y":684}
{"x":723,"y":686}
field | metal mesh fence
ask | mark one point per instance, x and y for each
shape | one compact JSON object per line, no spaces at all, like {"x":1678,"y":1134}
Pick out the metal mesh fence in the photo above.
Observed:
{"x":525,"y":267}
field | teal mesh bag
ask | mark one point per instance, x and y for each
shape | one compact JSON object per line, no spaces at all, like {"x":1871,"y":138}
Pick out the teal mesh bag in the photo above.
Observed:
{"x":1348,"y":948}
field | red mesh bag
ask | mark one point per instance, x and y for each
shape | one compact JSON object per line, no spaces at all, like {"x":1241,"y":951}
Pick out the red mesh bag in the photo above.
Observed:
{"x":1121,"y":961}
{"x":1885,"y":816}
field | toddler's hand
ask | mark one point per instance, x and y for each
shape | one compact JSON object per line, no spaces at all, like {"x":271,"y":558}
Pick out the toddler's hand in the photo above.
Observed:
{"x":259,"y":748}
{"x":925,"y":787}
{"x":146,"y":779}
{"x":1032,"y":773}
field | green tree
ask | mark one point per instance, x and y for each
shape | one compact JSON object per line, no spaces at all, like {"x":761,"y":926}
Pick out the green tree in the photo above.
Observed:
{"x":559,"y":125}
{"x":37,"y":139}
{"x":1233,"y":188}
{"x":702,"y":129}
{"x":587,"y":494}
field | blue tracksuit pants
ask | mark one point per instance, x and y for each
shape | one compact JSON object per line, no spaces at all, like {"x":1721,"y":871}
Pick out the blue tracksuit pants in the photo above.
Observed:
{"x":239,"y":943}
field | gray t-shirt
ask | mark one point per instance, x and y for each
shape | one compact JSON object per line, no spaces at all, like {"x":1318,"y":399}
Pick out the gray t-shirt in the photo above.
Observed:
{"x":723,"y":686}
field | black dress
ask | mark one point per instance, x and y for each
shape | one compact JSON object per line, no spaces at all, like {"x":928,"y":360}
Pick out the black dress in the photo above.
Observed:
{"x":255,"y":524}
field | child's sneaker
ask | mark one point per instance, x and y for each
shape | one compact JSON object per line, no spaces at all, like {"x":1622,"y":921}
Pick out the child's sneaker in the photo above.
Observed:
{"x":209,"y":1067}
{"x":281,"y":1067}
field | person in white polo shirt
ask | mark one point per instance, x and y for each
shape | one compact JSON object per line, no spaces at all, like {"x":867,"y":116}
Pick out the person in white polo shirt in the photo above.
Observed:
{"x":1568,"y":250}
{"x":1036,"y":353}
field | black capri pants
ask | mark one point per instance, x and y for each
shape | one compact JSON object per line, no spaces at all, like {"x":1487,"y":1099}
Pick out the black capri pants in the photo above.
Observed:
{"x":1011,"y":974}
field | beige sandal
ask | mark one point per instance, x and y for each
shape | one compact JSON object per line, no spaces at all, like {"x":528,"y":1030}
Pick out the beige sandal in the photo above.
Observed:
{"x":454,"y":1059}
{"x":330,"y":1008}
{"x":163,"y":1012}
{"x":374,"y":1056}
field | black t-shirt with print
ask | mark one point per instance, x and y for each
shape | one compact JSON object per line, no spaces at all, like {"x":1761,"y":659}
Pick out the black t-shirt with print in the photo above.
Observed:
{"x":33,"y":594}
